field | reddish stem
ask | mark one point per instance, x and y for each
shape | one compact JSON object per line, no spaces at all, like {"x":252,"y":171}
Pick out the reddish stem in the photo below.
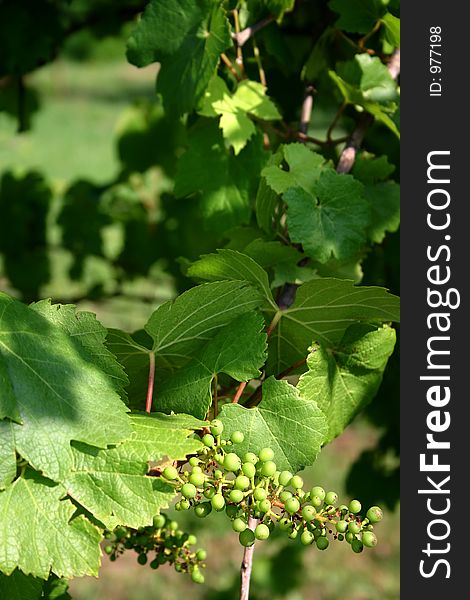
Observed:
{"x":151,"y":381}
{"x":239,"y":392}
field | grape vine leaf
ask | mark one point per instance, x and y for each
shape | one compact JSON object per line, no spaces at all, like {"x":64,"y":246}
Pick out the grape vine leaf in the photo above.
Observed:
{"x":234,"y":109}
{"x":56,"y":588}
{"x":322,"y":311}
{"x":59,"y":393}
{"x":366,"y":81}
{"x":7,"y":454}
{"x":358,"y":17}
{"x":18,"y":586}
{"x":230,"y":265}
{"x":294,"y":427}
{"x":84,"y":327}
{"x":271,"y":7}
{"x":383,"y":196}
{"x":304,"y":165}
{"x":267,"y":200}
{"x":392,"y":29}
{"x":186,"y":37}
{"x":344,"y":379}
{"x":178,"y":329}
{"x":48,"y":538}
{"x":330,"y":222}
{"x":112,"y":483}
{"x":238,"y":350}
{"x":226,"y":183}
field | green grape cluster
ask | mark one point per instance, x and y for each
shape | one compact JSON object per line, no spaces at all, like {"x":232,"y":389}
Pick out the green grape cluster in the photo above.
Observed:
{"x":165,"y":541}
{"x":218,"y":480}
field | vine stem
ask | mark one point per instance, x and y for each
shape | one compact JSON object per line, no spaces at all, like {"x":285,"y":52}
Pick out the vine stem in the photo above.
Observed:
{"x":307,"y":107}
{"x":239,"y":392}
{"x":247,"y":564}
{"x":151,"y":382}
{"x":241,"y":37}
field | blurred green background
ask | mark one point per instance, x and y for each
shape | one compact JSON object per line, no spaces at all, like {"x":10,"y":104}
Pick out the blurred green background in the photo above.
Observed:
{"x":89,"y":98}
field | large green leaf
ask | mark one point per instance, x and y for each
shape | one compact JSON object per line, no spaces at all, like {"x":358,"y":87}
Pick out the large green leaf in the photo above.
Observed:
{"x":90,"y":333}
{"x":304,"y":169}
{"x":239,"y":350}
{"x":60,"y":394}
{"x":271,"y":7}
{"x":7,"y":454}
{"x":38,"y":534}
{"x":226,"y":183}
{"x":178,"y":329}
{"x":112,"y":484}
{"x":230,"y":265}
{"x":322,"y":311}
{"x":332,"y":221}
{"x":19,"y":586}
{"x":187,"y":38}
{"x":343,"y":380}
{"x":267,"y":200}
{"x":359,"y":16}
{"x":234,"y":109}
{"x":291,"y":425}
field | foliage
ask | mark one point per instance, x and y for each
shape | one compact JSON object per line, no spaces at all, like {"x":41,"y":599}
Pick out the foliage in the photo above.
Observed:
{"x":283,"y":327}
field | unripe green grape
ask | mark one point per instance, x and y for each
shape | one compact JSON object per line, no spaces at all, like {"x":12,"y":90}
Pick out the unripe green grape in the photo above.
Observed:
{"x":259,"y":494}
{"x":369,"y":539}
{"x":374,"y":514}
{"x":292,"y":505}
{"x":159,"y":521}
{"x":154,"y":564}
{"x":318,"y":491}
{"x":237,"y":437}
{"x":173,"y":525}
{"x":331,"y":498}
{"x":284,"y":524}
{"x":250,"y":458}
{"x":196,"y":469}
{"x":322,"y":543}
{"x":170,"y":473}
{"x":142,"y":559}
{"x":218,"y":474}
{"x":285,"y":495}
{"x":197,"y":576}
{"x":194,"y":461}
{"x":266,"y":454}
{"x":242,"y":482}
{"x":284,"y":478}
{"x":232,"y":462}
{"x":355,"y":506}
{"x":296,"y":482}
{"x":209,"y":492}
{"x":201,"y":554}
{"x":340,"y":537}
{"x":197,"y":479}
{"x":317,"y":532}
{"x":247,"y":537}
{"x":236,"y":496}
{"x":354,"y":527}
{"x":188,"y":490}
{"x":218,"y":502}
{"x":264,"y":506}
{"x":203,"y":509}
{"x":268,"y":468}
{"x":178,"y":567}
{"x":343,"y":508}
{"x":216,"y":427}
{"x":208,"y":440}
{"x":239,"y":525}
{"x":108,"y":549}
{"x":341,"y":526}
{"x":262,"y":532}
{"x":308,"y":512}
{"x":350,"y":537}
{"x":307,"y":537}
{"x":293,"y":534}
{"x":192,"y":539}
{"x":249,"y":469}
{"x":185,"y":504}
{"x":178,"y":506}
{"x":357,"y":546}
{"x":316,"y":501}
